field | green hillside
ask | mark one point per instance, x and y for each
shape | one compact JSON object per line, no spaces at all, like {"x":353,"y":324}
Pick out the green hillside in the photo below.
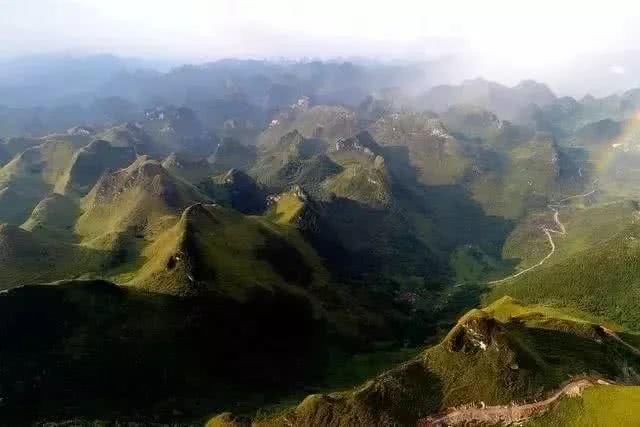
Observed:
{"x":363,"y":176}
{"x":294,"y":159}
{"x":231,"y":154}
{"x":295,"y":242}
{"x":212,"y":249}
{"x":33,"y":257}
{"x":503,"y":353}
{"x":321,"y":121}
{"x":188,"y":168}
{"x":472,"y":121}
{"x":15,"y":207}
{"x":237,"y":190}
{"x":37,"y":170}
{"x":30,"y":176}
{"x":4,"y":154}
{"x":597,"y":406}
{"x":587,"y":222}
{"x":89,"y":163}
{"x":16,"y":145}
{"x":141,"y":200}
{"x":521,"y":177}
{"x":437,"y":156}
{"x":139,"y":356}
{"x":128,"y":135}
{"x":601,"y":280}
{"x":55,"y":216}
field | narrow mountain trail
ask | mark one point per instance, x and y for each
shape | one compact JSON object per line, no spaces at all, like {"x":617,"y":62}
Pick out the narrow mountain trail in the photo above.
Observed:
{"x":507,"y":414}
{"x":560,"y":230}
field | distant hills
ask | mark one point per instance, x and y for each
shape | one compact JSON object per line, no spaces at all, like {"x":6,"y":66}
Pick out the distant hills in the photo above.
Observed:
{"x":269,"y":241}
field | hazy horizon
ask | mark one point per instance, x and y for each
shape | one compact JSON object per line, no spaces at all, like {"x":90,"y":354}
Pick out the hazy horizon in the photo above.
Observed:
{"x":497,"y":40}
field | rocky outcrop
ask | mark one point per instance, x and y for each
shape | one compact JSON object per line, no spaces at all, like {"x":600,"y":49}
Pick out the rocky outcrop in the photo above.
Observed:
{"x":476,"y":331}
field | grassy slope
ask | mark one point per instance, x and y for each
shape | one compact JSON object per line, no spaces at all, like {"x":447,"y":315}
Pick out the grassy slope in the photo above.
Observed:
{"x":190,"y":170}
{"x":237,"y":190}
{"x":54,"y":216}
{"x":321,"y":121}
{"x":363,"y":179}
{"x":15,"y":207}
{"x":128,"y":135}
{"x":602,"y":406}
{"x":502,"y":353}
{"x":437,"y":156}
{"x":293,"y":159}
{"x":231,"y":154}
{"x":38,"y":169}
{"x":27,"y":257}
{"x":94,"y":349}
{"x":521,"y":176}
{"x":89,"y":163}
{"x":587,"y":225}
{"x":15,"y":146}
{"x":603,"y":280}
{"x":5,"y":157}
{"x":31,"y":176}
{"x":287,"y":208}
{"x":142,"y":199}
{"x":472,"y":121}
{"x":216,"y":249}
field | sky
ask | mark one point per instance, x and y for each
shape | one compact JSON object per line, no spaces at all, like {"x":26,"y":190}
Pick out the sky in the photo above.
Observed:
{"x":527,"y":31}
{"x":531,"y":35}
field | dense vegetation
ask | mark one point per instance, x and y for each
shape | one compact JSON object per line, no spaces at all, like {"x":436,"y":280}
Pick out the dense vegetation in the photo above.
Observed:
{"x":505,"y":352}
{"x":233,"y":237}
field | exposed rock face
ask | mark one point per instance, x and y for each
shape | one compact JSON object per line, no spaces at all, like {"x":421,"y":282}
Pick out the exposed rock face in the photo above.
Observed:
{"x":475,"y":332}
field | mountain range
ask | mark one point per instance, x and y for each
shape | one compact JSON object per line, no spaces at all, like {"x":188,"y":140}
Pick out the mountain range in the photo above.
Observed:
{"x":256,"y":243}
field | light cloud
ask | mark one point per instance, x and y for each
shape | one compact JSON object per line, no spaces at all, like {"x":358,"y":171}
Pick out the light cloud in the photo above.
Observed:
{"x":617,"y":69}
{"x":522,"y":33}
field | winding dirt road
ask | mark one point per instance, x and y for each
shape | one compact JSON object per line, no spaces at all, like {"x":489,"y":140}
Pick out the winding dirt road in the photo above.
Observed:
{"x":561,"y":230}
{"x":507,"y":414}
{"x":516,"y":413}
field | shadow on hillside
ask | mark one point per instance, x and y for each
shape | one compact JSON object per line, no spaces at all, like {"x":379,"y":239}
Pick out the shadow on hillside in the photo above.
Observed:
{"x":101,"y":351}
{"x":456,"y":219}
{"x":370,"y":242}
{"x":563,"y":349}
{"x":39,"y":256}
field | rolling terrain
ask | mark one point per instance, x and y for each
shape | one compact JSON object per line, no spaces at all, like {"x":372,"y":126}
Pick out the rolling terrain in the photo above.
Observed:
{"x":306,"y":247}
{"x":503,"y":353}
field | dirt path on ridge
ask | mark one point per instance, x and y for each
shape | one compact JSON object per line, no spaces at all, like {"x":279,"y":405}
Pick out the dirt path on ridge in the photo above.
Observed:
{"x":507,"y":414}
{"x":560,"y":229}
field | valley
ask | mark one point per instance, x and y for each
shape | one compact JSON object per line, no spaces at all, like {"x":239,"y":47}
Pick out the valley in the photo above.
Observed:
{"x":560,"y":230}
{"x":277,"y":243}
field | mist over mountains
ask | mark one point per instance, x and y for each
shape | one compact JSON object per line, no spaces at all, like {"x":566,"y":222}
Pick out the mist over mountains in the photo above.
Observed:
{"x":318,"y":242}
{"x":36,"y":97}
